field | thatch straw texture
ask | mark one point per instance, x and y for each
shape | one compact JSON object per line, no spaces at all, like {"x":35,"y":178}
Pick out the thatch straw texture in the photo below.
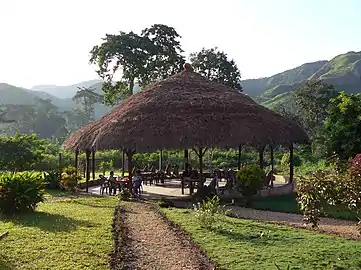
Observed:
{"x":185,"y":111}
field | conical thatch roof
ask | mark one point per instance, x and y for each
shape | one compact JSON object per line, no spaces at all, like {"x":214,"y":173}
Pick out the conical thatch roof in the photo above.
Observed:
{"x":185,"y":111}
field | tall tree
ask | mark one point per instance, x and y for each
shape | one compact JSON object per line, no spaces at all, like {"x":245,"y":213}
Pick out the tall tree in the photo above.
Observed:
{"x":341,"y":131}
{"x":144,"y":58}
{"x":165,"y":53}
{"x":214,"y":65}
{"x":87,"y":98}
{"x":312,"y":101}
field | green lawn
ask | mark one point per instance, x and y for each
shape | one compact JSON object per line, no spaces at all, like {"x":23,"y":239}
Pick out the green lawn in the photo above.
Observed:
{"x":61,"y":234}
{"x":238,"y":244}
{"x":288,"y":204}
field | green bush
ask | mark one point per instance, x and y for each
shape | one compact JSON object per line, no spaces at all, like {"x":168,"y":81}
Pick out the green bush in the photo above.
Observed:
{"x":105,"y":166}
{"x":69,"y":179}
{"x":20,"y":192}
{"x":52,"y":179}
{"x":125,"y":195}
{"x":211,"y":212}
{"x":285,"y":161}
{"x":249,"y":180}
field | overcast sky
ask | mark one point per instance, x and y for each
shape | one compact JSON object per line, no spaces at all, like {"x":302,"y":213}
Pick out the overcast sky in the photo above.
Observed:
{"x":48,"y":41}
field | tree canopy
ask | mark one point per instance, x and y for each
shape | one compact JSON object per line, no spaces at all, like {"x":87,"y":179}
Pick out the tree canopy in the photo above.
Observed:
{"x":216,"y":66}
{"x":145,"y":58}
{"x":341,"y":132}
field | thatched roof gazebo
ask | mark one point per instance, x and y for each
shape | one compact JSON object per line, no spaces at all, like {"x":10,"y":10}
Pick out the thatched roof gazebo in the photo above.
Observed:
{"x":186,"y":111}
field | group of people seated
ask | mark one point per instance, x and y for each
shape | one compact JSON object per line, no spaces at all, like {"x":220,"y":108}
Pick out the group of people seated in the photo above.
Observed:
{"x":116,"y":182}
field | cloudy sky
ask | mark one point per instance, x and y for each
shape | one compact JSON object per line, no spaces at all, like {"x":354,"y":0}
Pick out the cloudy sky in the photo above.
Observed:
{"x":48,"y":41}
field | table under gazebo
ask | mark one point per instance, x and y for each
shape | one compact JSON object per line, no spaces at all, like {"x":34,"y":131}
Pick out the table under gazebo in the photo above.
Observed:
{"x":186,"y":111}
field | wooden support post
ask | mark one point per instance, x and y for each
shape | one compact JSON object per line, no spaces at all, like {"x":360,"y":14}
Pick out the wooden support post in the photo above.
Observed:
{"x":186,"y":158}
{"x":130,"y":154}
{"x":76,"y":160}
{"x":272,"y":158}
{"x":261,"y":160}
{"x":200,"y":153}
{"x":291,"y":164}
{"x":239,"y":156}
{"x":160,"y":160}
{"x":93,"y":163}
{"x":123,"y":162}
{"x":87,"y":169}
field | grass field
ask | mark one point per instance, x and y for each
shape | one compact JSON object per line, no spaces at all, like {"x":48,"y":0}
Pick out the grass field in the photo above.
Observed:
{"x":61,"y":234}
{"x":288,"y":204}
{"x":238,"y":244}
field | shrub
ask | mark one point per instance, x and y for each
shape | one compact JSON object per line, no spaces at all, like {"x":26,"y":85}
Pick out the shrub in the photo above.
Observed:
{"x":105,"y":165}
{"x":211,"y":212}
{"x":125,"y":195}
{"x":69,"y":179}
{"x":52,"y":179}
{"x":285,"y":161}
{"x":249,"y":180}
{"x":20,"y":192}
{"x":165,"y":203}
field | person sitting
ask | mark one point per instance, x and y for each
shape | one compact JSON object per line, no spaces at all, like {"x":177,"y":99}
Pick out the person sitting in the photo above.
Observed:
{"x":113,"y":184}
{"x":269,"y":179}
{"x":137,"y":182}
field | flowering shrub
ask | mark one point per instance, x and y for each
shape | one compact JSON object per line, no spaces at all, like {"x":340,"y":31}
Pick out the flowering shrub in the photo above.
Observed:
{"x":69,"y":179}
{"x":209,"y":212}
{"x":20,"y":192}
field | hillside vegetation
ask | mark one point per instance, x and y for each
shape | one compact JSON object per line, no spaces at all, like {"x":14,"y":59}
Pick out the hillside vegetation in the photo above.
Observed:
{"x":343,"y":71}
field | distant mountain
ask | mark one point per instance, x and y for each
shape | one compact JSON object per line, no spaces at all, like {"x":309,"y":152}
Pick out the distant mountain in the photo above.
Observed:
{"x":343,"y":71}
{"x":64,"y":91}
{"x":10,"y":94}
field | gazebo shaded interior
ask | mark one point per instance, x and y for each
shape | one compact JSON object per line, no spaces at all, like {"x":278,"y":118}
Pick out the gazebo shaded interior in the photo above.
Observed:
{"x":187,"y":111}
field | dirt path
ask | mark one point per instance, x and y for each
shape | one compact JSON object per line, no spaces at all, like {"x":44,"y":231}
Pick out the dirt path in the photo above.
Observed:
{"x":343,"y":228}
{"x":144,"y":240}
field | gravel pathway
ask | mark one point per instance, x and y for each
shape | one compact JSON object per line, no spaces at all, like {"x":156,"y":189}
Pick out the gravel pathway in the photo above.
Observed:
{"x":339,"y":227}
{"x":148,"y":241}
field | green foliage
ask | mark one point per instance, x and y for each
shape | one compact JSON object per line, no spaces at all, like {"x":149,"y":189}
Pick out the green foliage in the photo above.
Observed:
{"x":249,"y":180}
{"x":148,"y":57}
{"x":20,"y":192}
{"x":69,"y":179}
{"x":20,"y":152}
{"x":125,"y":195}
{"x":165,"y":203}
{"x":211,"y":212}
{"x":105,"y":165}
{"x":52,"y":179}
{"x":87,"y":98}
{"x":312,"y":100}
{"x":321,"y":189}
{"x":285,"y":161}
{"x":214,"y":65}
{"x":341,"y":132}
